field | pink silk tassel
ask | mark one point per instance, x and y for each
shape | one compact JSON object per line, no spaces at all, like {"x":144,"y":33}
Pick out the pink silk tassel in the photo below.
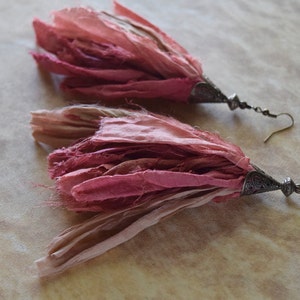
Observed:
{"x":108,"y":57}
{"x":132,"y":168}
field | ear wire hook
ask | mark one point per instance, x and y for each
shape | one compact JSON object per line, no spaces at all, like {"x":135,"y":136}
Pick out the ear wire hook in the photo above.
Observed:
{"x":234,"y":102}
{"x":282,"y":129}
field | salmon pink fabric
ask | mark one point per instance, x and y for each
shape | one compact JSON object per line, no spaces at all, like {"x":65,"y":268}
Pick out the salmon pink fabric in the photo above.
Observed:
{"x":111,"y":56}
{"x":133,"y":170}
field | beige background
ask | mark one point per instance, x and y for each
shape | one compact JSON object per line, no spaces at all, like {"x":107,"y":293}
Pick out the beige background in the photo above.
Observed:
{"x":244,"y":249}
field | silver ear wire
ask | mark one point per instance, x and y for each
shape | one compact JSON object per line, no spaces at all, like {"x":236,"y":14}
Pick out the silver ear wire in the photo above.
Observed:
{"x":207,"y":92}
{"x":282,"y":129}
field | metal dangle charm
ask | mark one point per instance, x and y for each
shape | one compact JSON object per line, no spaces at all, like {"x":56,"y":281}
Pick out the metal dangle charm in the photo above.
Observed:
{"x":259,"y":182}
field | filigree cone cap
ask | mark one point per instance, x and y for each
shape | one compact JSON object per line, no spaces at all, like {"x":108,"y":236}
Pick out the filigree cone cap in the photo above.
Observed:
{"x":258,"y":181}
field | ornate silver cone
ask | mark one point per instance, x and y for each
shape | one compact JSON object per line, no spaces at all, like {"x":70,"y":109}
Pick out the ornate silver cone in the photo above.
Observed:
{"x":258,"y":181}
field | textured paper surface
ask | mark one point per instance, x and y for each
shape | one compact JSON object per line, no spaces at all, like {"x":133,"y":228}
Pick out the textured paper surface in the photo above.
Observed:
{"x":244,"y":249}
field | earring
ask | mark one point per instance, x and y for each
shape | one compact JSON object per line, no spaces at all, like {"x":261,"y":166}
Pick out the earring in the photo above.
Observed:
{"x":106,"y":57}
{"x":134,"y":168}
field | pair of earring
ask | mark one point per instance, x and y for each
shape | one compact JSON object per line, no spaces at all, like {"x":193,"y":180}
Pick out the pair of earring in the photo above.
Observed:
{"x":105,"y":56}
